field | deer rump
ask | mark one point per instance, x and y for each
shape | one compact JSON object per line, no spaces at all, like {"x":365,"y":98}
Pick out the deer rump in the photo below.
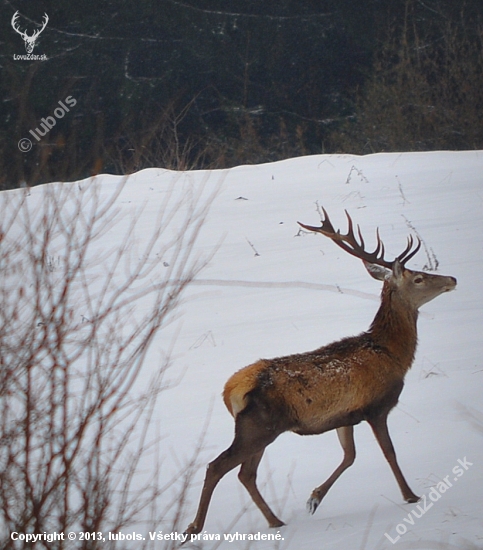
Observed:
{"x":340,"y":384}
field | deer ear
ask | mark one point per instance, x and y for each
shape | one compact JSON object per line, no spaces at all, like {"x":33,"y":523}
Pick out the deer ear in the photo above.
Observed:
{"x":397,"y":269}
{"x":376,"y":271}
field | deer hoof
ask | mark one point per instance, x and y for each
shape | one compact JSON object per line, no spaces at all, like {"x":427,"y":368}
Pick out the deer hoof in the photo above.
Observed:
{"x":277,"y":523}
{"x":192,"y":529}
{"x":313,"y":504}
{"x":412,"y":498}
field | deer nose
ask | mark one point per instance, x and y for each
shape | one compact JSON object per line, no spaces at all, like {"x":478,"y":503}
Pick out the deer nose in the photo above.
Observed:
{"x":452,"y":284}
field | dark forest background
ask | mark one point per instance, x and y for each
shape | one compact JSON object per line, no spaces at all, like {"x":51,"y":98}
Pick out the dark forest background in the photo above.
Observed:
{"x":216,"y":83}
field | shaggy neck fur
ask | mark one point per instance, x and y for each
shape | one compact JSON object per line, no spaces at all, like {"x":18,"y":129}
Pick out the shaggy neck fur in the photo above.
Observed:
{"x":394,"y":326}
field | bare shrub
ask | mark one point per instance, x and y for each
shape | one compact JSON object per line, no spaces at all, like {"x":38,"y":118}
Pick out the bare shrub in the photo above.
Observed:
{"x":144,"y":141}
{"x":82,"y":297}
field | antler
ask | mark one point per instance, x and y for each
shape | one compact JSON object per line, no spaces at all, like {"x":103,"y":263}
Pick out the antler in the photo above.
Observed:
{"x":350,"y":244}
{"x":38,"y":31}
{"x":15,"y":27}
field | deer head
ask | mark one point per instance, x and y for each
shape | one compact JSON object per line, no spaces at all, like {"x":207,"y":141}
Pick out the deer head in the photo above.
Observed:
{"x":29,"y":40}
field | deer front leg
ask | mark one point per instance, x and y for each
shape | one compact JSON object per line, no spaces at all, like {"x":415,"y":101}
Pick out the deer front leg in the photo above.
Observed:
{"x":346,"y":438}
{"x":379,"y":427}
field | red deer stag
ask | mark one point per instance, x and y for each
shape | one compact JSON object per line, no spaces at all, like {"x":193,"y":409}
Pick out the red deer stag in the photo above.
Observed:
{"x":334,"y":387}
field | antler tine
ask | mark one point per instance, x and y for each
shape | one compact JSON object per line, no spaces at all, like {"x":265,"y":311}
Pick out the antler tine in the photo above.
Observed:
{"x":379,"y":251}
{"x":351,"y":239}
{"x":407,"y":249}
{"x":326,"y":222}
{"x":361,"y":238}
{"x":405,"y":256}
{"x":351,"y":225}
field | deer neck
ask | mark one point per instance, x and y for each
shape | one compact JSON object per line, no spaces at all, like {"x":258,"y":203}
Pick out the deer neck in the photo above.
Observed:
{"x":394,"y":326}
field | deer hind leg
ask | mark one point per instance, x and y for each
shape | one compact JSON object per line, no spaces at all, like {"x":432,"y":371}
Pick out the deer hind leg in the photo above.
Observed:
{"x":251,"y":438}
{"x":379,"y":427}
{"x":248,"y":476}
{"x":346,"y":438}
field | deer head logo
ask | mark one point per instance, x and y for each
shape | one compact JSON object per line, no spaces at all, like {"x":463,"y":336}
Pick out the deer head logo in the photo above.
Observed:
{"x":29,"y":40}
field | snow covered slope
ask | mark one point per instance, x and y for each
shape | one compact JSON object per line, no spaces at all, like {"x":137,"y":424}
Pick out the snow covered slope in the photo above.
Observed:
{"x":271,"y":290}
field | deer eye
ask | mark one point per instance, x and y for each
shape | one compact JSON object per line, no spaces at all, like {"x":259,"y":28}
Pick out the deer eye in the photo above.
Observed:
{"x":418,"y":280}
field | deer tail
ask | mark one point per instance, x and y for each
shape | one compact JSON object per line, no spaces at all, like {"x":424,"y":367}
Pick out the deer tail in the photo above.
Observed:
{"x":235,"y":393}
